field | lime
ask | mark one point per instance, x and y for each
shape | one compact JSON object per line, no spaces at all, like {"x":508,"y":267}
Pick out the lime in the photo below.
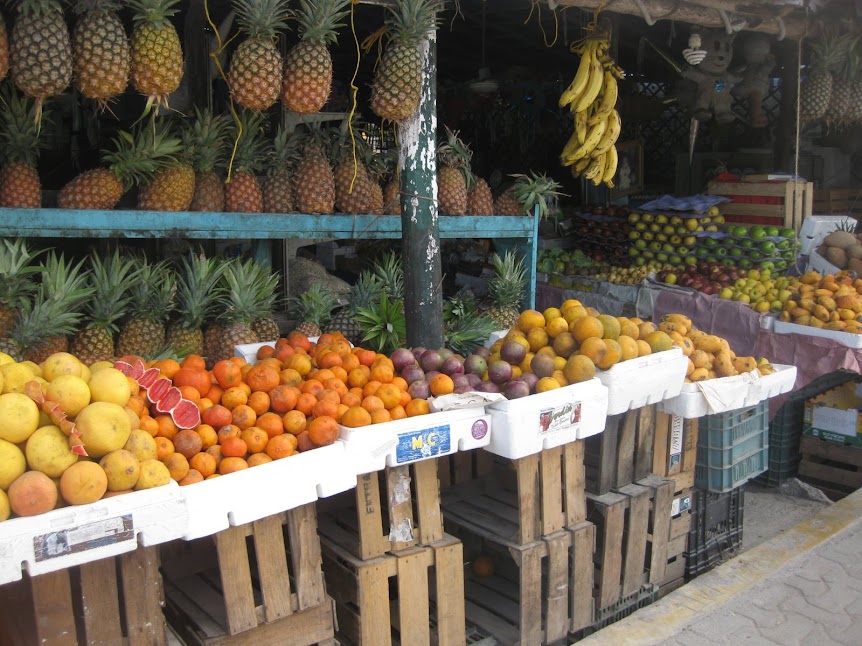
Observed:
{"x":767,"y":247}
{"x":757,"y":232}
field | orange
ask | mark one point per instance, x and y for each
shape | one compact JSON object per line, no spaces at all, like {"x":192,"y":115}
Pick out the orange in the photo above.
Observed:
{"x":216,"y":416}
{"x":325,"y":408}
{"x":370,"y":388}
{"x":342,"y":408}
{"x":167,"y":428}
{"x":245,"y":388}
{"x":305,"y":403}
{"x":164,"y":447}
{"x":231,"y":464}
{"x":187,"y":443}
{"x":205,"y":403}
{"x":240,"y":361}
{"x":284,"y":352}
{"x":281,"y":446}
{"x":234,"y":447}
{"x":372,"y":403}
{"x":208,"y":436}
{"x":228,"y":430}
{"x":335,"y":384}
{"x":366,"y":357}
{"x":329,"y":395}
{"x":405,"y":398}
{"x":138,"y":405}
{"x":256,"y":459}
{"x":194,"y":362}
{"x":262,"y":377}
{"x":233,"y":397}
{"x":397,"y":412}
{"x":191,"y":393}
{"x":200,"y":380}
{"x":178,"y":466}
{"x":214,"y":393}
{"x":322,"y":375}
{"x":389,"y":394}
{"x":349,"y":362}
{"x":264,"y":352}
{"x":150,"y":425}
{"x":356,"y":416}
{"x":357,"y":377}
{"x":204,"y":463}
{"x":299,"y":362}
{"x":351,"y":399}
{"x":290,"y":377}
{"x":329,"y":359}
{"x":400,"y":383}
{"x":255,"y":439}
{"x":244,"y":416}
{"x":323,"y":430}
{"x":215,"y":451}
{"x":271,"y":423}
{"x":380,"y":416}
{"x":299,"y":340}
{"x":294,"y":422}
{"x":529,"y":319}
{"x":311,"y":386}
{"x":283,"y":398}
{"x":419,"y":406}
{"x":586,"y":327}
{"x":441,"y":384}
{"x":192,"y":477}
{"x":227,"y":373}
{"x":168,"y":367}
{"x":382,"y":372}
{"x":259,"y":402}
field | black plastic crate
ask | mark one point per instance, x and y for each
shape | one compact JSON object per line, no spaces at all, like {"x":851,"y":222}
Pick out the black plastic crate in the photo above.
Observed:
{"x":785,"y":429}
{"x":716,"y":529}
{"x":644,"y":596}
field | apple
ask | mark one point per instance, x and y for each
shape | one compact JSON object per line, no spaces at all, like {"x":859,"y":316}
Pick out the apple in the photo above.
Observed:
{"x":670,"y":278}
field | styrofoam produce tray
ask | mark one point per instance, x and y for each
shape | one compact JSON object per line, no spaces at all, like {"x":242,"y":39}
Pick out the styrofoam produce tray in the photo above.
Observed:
{"x":542,"y":421}
{"x":251,"y":494}
{"x":644,"y":380}
{"x":691,"y":403}
{"x":844,"y":338}
{"x":79,"y":534}
{"x":403,"y":441}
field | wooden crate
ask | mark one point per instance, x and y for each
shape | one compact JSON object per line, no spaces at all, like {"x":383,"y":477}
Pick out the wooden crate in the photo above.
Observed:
{"x":110,"y":601}
{"x":834,"y":468}
{"x":392,"y":509}
{"x":622,"y":453}
{"x":387,"y":600}
{"x":666,"y":552}
{"x":838,"y":201}
{"x":259,"y":584}
{"x":527,"y":498}
{"x":675,"y":449}
{"x":791,"y":202}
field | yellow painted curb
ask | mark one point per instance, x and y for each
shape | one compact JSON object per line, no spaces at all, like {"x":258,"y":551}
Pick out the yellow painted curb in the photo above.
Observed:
{"x":668,"y":617}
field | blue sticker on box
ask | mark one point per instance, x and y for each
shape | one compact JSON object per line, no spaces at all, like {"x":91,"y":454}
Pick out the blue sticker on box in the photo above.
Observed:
{"x":422,"y":443}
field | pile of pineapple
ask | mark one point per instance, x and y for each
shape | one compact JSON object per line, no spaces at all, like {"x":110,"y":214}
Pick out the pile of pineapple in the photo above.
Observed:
{"x":833,"y":90}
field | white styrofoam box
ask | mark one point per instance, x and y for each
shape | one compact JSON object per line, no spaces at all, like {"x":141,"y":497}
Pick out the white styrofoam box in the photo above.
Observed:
{"x":846,"y":339}
{"x":525,"y":426}
{"x":248,"y":351}
{"x":495,"y":336}
{"x":267,"y":489}
{"x":644,"y":380}
{"x":816,"y":227}
{"x":691,"y":403}
{"x":79,"y":534}
{"x":816,"y":262}
{"x":403,"y":441}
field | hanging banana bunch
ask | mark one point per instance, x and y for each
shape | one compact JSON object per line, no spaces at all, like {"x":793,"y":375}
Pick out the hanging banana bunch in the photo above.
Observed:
{"x":592,"y":98}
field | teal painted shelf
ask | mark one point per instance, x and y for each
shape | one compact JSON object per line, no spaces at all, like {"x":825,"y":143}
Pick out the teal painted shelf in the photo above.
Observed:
{"x":69,"y":223}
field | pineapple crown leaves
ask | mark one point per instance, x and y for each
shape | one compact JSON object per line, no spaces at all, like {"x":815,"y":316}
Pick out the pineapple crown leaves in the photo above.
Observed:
{"x":319,"y":20}
{"x":314,"y":305}
{"x":506,"y":288}
{"x":205,"y":139}
{"x":831,"y":48}
{"x":38,"y":7}
{"x":266,"y":292}
{"x":262,"y":18}
{"x":454,"y":153}
{"x":251,"y":149}
{"x":459,"y":305}
{"x":199,"y":289}
{"x":19,"y":132}
{"x":535,"y":190}
{"x":136,"y":157}
{"x":284,"y":152}
{"x":83,"y":7}
{"x":111,"y":278}
{"x":248,"y":283}
{"x":65,"y":281}
{"x":366,"y":291}
{"x":390,"y":271}
{"x":41,"y":318}
{"x":154,"y":291}
{"x":384,"y":327}
{"x":155,"y":13}
{"x":411,"y":20}
{"x":16,"y":271}
{"x":468,"y":331}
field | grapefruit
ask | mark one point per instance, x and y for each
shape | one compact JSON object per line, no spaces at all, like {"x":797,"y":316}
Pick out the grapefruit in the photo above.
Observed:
{"x":33,"y":493}
{"x":48,"y":451}
{"x":109,"y":385}
{"x":122,"y":469}
{"x":61,"y":363}
{"x":12,"y":464}
{"x":19,"y":417}
{"x":104,"y":427}
{"x":70,"y":392}
{"x":83,"y":483}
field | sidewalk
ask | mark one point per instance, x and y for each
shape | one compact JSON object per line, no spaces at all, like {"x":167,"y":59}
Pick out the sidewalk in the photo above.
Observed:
{"x":802,"y":587}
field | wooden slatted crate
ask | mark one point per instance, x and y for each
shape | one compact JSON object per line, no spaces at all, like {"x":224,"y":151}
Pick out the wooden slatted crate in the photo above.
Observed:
{"x":675,"y":449}
{"x":260,"y":584}
{"x":115,"y":600}
{"x":838,"y":201}
{"x":779,"y":203}
{"x":387,"y":599}
{"x":392,"y":509}
{"x":832,"y":467}
{"x":667,"y":562}
{"x":623,"y":453}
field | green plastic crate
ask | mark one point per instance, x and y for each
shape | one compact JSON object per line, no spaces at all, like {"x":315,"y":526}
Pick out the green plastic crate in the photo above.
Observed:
{"x":732,"y":448}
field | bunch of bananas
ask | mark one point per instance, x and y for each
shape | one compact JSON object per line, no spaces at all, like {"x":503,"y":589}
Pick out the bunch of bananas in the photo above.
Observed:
{"x":592,"y":98}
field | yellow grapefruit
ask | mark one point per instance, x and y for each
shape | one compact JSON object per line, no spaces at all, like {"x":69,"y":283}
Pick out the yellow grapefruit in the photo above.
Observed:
{"x":15,"y":375}
{"x":110,"y":385}
{"x":70,"y":392}
{"x":83,"y":483}
{"x":61,"y":363}
{"x":19,"y":417}
{"x":104,"y":427}
{"x":5,"y":510}
{"x":48,"y":451}
{"x":153,"y":474}
{"x":12,"y":464}
{"x":122,"y":469}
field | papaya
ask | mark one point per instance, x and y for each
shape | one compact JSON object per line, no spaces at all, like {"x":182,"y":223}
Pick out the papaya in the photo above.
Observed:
{"x":745,"y":364}
{"x":724,"y":365}
{"x":701,"y":359}
{"x":803,"y":320}
{"x":839,"y":326}
{"x":823,"y":292}
{"x":669,"y":327}
{"x":810,"y":278}
{"x":821,"y":313}
{"x":699,"y":375}
{"x":826,"y":301}
{"x":816,"y":322}
{"x":677,"y":318}
{"x":708,"y":343}
{"x":799,"y":312}
{"x":784,"y":316}
{"x":846,"y":315}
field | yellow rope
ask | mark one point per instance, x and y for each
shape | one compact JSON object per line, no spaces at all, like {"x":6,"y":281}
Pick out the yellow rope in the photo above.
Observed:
{"x":236,"y":118}
{"x":354,"y":89}
{"x":376,"y":38}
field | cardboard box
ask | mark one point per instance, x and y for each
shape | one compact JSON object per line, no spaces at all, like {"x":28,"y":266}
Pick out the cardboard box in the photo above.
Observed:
{"x":834,"y":415}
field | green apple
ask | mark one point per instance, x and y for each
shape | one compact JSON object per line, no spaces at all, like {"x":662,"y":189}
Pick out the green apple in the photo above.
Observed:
{"x":640,"y":243}
{"x":661,"y":257}
{"x":634,"y":235}
{"x":772,"y":231}
{"x":641,"y":226}
{"x":767,"y":247}
{"x":634,"y":252}
{"x":746,"y":243}
{"x":757,"y":232}
{"x":633,"y":218}
{"x":690,"y":260}
{"x":726,"y":293}
{"x":675,"y":239}
{"x":689,"y":241}
{"x":661,"y":237}
{"x":683,"y":251}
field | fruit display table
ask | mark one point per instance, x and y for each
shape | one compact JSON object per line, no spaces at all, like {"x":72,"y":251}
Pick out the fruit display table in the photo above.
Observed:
{"x":617,"y":300}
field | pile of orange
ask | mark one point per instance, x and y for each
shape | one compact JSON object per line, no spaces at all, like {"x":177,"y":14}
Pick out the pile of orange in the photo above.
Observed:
{"x":291,"y":400}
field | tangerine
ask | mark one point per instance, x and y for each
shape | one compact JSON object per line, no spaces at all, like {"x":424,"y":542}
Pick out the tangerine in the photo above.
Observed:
{"x":228,"y":430}
{"x":255,"y":439}
{"x":204,"y":463}
{"x":149,"y":425}
{"x":380,"y":416}
{"x":259,"y":402}
{"x":227,"y":373}
{"x":200,"y":380}
{"x":325,"y":408}
{"x":216,"y":416}
{"x":231,"y":464}
{"x":356,"y":416}
{"x":192,"y":477}
{"x":271,"y":423}
{"x":281,"y":446}
{"x":233,"y":397}
{"x":208,"y":436}
{"x":305,"y":403}
{"x":234,"y":447}
{"x":294,"y":422}
{"x":263,"y":377}
{"x":372,"y":403}
{"x":167,"y":428}
{"x":323,"y":430}
{"x":187,"y":443}
{"x":418,"y":406}
{"x":256,"y":459}
{"x":283,"y":398}
{"x":397,"y":412}
{"x":389,"y":394}
{"x":441,"y":384}
{"x":178,"y":466}
{"x":164,"y":447}
{"x":243,"y":416}
{"x":194,"y":362}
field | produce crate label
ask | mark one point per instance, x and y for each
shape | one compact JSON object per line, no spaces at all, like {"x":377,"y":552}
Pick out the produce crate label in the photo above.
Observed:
{"x":679,"y":505}
{"x":564,"y":417}
{"x":675,"y":441}
{"x":422,"y":444}
{"x":84,"y":537}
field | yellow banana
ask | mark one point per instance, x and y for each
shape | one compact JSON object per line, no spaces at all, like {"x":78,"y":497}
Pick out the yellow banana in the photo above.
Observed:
{"x":609,"y":99}
{"x":611,"y":134}
{"x":594,"y":85}
{"x":576,"y":87}
{"x":596,"y":167}
{"x":593,"y":137}
{"x":571,"y":146}
{"x":581,"y":126}
{"x":581,"y":165}
{"x":610,"y":170}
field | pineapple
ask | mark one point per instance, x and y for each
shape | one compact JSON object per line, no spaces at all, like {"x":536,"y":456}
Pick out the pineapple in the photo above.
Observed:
{"x":454,"y":175}
{"x":254,"y":78}
{"x":100,"y":51}
{"x":364,"y":294}
{"x":19,"y":180}
{"x":528,"y":193}
{"x":390,"y":271}
{"x":16,"y":280}
{"x":4,"y":49}
{"x":507,"y":203}
{"x":278,"y":188}
{"x":152,"y":301}
{"x":480,"y":201}
{"x":111,"y":279}
{"x":41,"y":51}
{"x":314,"y":309}
{"x":392,"y":197}
{"x":205,"y":141}
{"x":243,"y":193}
{"x":465,"y":327}
{"x":308,"y":67}
{"x":506,"y":289}
{"x":352,"y":185}
{"x":65,"y":284}
{"x":397,"y":86}
{"x":212,"y":342}
{"x":844,"y":97}
{"x":377,"y":168}
{"x":199,"y":291}
{"x":133,"y":160}
{"x":384,"y":326}
{"x":156,"y":54}
{"x":828,"y":53}
{"x":266,"y":290}
{"x":242,"y":306}
{"x":171,"y":187}
{"x":315,"y":183}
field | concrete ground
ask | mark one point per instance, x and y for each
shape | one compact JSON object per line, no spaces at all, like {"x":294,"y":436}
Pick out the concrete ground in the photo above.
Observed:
{"x":801,"y":587}
{"x":769,"y":511}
